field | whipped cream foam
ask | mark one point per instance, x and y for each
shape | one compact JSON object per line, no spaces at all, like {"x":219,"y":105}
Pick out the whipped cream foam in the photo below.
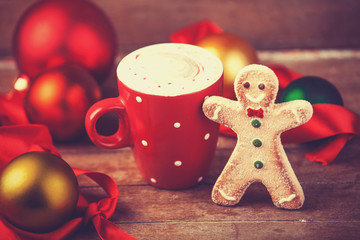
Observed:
{"x":169,"y":69}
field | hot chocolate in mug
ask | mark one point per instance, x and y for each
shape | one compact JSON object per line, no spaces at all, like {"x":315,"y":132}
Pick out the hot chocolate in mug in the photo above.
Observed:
{"x":161,"y":91}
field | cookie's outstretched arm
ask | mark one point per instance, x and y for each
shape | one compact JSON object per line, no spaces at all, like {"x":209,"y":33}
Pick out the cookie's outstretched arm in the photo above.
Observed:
{"x":293,"y":113}
{"x":221,"y":110}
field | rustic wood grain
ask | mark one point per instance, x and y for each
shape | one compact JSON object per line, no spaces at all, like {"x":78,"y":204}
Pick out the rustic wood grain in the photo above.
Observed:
{"x":324,"y":202}
{"x":267,"y":24}
{"x":191,"y":213}
{"x":226,"y":230}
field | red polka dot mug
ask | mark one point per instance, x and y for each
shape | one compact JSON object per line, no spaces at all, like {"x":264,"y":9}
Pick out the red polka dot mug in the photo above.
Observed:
{"x":161,"y":91}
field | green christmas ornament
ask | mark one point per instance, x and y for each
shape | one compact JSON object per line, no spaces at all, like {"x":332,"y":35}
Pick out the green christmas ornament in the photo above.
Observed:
{"x":313,"y":89}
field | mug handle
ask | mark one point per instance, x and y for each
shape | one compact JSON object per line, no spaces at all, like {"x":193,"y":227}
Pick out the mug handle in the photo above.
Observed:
{"x":121,"y":138}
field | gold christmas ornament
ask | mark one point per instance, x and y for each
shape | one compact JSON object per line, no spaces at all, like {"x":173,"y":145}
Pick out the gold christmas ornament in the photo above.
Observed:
{"x":234,"y":52}
{"x":38,"y":192}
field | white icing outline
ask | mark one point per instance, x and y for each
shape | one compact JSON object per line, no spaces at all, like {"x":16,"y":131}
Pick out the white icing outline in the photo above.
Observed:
{"x":297,"y":117}
{"x":255,"y":99}
{"x":288,"y":199}
{"x":144,"y":143}
{"x":226,"y":196}
{"x":177,"y":125}
{"x":216,"y":112}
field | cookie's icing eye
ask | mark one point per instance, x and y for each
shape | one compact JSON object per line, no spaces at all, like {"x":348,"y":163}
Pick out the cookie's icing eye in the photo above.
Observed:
{"x":246,"y":85}
{"x":261,"y":86}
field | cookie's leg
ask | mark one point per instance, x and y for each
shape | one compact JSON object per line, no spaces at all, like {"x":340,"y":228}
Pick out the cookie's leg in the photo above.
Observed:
{"x":232,"y":183}
{"x":285,"y":189}
{"x":228,"y":193}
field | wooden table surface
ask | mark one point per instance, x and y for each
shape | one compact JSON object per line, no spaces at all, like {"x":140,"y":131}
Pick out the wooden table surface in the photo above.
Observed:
{"x":332,"y":205}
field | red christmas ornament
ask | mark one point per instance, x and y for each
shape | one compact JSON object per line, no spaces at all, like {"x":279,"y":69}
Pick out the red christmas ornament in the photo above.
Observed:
{"x":59,"y":98}
{"x":55,"y":32}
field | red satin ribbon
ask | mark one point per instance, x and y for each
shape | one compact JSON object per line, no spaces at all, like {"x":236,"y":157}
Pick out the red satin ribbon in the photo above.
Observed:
{"x":11,"y":111}
{"x":21,"y":137}
{"x":334,"y":123}
{"x":30,"y":137}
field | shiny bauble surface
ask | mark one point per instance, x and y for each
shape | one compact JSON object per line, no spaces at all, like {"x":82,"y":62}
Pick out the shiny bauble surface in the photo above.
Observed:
{"x":59,"y":98}
{"x":55,"y":32}
{"x":313,"y":89}
{"x":234,"y":52}
{"x":38,"y":192}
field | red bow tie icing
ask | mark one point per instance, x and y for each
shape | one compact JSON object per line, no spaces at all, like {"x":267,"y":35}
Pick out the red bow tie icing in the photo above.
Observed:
{"x":258,"y":113}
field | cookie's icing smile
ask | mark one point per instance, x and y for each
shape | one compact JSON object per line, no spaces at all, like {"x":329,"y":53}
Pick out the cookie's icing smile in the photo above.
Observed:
{"x":255,"y":99}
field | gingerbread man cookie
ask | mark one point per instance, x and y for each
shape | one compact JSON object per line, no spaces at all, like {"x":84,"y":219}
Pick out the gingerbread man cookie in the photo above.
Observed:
{"x":258,"y":122}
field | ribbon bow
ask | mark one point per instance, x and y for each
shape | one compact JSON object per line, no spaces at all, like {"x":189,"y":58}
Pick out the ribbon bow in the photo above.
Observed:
{"x":21,"y":138}
{"x":253,"y":112}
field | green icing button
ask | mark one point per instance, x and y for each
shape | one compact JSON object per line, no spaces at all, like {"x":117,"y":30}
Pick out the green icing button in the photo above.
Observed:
{"x":257,"y":142}
{"x":255,"y":123}
{"x":258,"y":164}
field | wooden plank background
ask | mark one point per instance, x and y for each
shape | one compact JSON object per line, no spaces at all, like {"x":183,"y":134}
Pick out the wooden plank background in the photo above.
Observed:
{"x":267,"y":24}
